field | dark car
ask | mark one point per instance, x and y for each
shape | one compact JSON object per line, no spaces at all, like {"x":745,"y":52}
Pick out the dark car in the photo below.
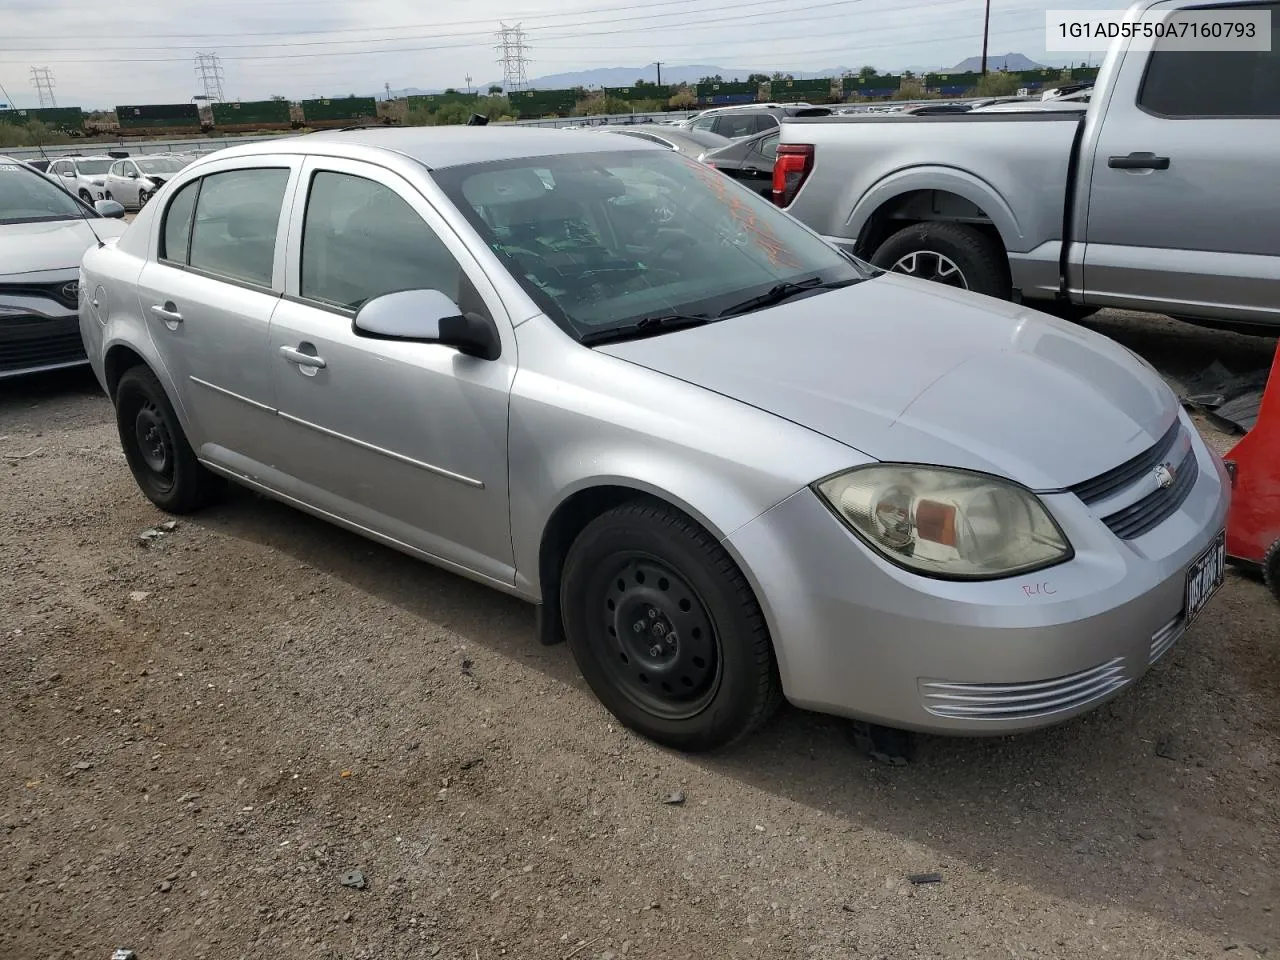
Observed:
{"x":736,"y":122}
{"x":749,"y":160}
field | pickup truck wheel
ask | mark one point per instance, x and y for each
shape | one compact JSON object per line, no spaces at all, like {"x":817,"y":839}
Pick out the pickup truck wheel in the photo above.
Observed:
{"x":666,"y":630}
{"x":950,"y":253}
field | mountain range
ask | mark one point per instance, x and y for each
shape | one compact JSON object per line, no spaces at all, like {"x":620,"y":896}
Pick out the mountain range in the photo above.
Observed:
{"x":692,"y":73}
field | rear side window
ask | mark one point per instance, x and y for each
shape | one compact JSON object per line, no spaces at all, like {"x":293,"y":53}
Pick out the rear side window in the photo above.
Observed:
{"x":237,"y":215}
{"x":1189,"y":83}
{"x":735,"y":125}
{"x":361,"y":240}
{"x":177,"y":224}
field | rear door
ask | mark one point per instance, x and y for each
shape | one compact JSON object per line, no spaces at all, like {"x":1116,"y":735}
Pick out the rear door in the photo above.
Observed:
{"x":208,"y":290}
{"x":1184,"y":196}
{"x":405,"y":439}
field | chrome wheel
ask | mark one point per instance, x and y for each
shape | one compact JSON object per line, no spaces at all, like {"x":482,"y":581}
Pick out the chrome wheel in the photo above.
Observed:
{"x":932,"y":266}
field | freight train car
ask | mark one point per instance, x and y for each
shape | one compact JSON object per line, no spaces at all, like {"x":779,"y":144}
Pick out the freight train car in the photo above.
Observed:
{"x":648,"y":91}
{"x":801,"y":91}
{"x":68,"y":120}
{"x":718,"y":94}
{"x":339,"y":112}
{"x":535,"y":104}
{"x":431,"y":102}
{"x":244,"y":117}
{"x":159,"y":119}
{"x":871,"y":87}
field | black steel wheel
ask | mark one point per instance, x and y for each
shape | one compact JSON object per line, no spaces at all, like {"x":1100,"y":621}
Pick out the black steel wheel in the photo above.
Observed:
{"x":666,"y":629}
{"x":159,"y":456}
{"x":1271,"y":569}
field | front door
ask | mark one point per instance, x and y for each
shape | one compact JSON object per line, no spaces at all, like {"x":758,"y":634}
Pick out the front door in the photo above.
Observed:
{"x":406,"y":439}
{"x":1184,"y":196}
{"x":208,"y":293}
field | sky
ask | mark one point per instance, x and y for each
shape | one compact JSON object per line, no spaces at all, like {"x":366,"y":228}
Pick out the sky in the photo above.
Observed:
{"x":101,"y":54}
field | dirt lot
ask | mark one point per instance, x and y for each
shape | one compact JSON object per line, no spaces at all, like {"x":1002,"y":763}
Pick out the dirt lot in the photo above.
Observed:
{"x":202,"y":736}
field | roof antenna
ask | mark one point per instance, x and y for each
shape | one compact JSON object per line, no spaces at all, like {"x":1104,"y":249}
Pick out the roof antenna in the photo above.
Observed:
{"x":80,"y":204}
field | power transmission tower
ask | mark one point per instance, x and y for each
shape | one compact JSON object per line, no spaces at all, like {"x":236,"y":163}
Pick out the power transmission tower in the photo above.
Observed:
{"x":512,"y":48}
{"x":468,"y":79}
{"x":42,"y":80}
{"x":209,"y":73}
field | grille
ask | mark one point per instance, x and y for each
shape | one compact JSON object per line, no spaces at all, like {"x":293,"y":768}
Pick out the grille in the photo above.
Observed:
{"x":46,"y":291}
{"x":1113,"y":481}
{"x":1162,"y":640}
{"x":1017,"y":701}
{"x":1157,"y":506}
{"x":29,"y":343}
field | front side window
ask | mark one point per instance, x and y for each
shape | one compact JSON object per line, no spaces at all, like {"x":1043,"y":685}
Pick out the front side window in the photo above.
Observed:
{"x":600,"y":240}
{"x":1212,"y":83}
{"x":237,"y":215}
{"x":360,"y":240}
{"x":706,"y":123}
{"x":28,"y":197}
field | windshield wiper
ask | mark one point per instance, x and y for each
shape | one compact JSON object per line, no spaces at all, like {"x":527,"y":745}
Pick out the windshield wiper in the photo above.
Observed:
{"x":785,"y":291}
{"x":646,"y":327}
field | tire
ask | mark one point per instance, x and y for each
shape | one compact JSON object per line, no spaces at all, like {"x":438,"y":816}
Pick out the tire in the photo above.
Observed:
{"x":143,"y":197}
{"x":167,"y":470}
{"x":666,"y":630}
{"x":1063,"y":309}
{"x":86,"y":197}
{"x":108,"y":196}
{"x":980,"y":265}
{"x":1271,"y":569}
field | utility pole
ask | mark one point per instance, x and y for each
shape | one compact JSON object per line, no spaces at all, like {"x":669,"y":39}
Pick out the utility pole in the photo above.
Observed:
{"x":42,"y":80}
{"x":512,"y":48}
{"x":986,"y":34}
{"x":659,"y":66}
{"x":468,"y":79}
{"x":209,"y":73}
{"x":387,"y":87}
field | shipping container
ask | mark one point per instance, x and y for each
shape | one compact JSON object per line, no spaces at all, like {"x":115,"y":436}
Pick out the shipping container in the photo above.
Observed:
{"x":153,"y":118}
{"x":736,"y":92}
{"x":532,"y":104}
{"x":648,"y":91}
{"x":339,"y":111}
{"x":239,"y":116}
{"x":801,"y":91}
{"x":874,"y":87}
{"x":65,"y":119}
{"x":960,"y":82}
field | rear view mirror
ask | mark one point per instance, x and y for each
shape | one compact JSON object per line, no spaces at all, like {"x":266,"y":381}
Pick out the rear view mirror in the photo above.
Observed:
{"x":109,"y":208}
{"x":428,"y":316}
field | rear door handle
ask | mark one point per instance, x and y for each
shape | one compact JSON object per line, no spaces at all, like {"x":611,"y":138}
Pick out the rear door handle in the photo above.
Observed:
{"x":1138,"y":161}
{"x":167,"y":312}
{"x":302,"y":359}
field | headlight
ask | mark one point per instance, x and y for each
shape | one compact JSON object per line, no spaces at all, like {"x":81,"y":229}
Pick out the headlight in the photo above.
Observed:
{"x":946,"y":523}
{"x":98,"y":183}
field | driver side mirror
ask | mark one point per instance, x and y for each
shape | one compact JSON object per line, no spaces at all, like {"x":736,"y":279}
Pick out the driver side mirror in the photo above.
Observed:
{"x":132,"y":174}
{"x":427,"y":316}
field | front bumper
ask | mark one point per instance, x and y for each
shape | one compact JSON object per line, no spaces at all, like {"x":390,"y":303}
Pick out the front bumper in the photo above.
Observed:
{"x":38,"y":334}
{"x":857,"y":636}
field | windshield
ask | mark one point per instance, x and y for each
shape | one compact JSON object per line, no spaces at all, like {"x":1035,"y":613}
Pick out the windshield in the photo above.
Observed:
{"x":92,"y":167}
{"x":601,"y":240}
{"x":160,"y":165}
{"x":28,"y":197}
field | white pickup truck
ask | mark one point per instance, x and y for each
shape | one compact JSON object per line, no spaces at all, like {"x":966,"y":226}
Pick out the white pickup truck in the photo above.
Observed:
{"x":1163,"y":195}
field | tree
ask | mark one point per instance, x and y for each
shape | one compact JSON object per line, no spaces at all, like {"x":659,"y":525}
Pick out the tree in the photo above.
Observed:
{"x":494,"y":89}
{"x":277,"y":98}
{"x":998,"y":84}
{"x":758,"y":78}
{"x":781,"y":76}
{"x":911,"y":89}
{"x":716,"y":79}
{"x":866,"y":74}
{"x":683,"y":99}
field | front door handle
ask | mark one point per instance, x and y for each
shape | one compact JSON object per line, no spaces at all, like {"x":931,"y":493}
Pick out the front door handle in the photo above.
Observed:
{"x":302,"y":359}
{"x":167,"y":312}
{"x":1138,"y":161}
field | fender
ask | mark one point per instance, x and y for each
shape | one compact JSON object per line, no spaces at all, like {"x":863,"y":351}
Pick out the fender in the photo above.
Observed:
{"x":949,"y":180}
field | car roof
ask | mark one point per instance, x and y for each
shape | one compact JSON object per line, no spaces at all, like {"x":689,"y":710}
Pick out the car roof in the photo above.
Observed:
{"x":440,"y":147}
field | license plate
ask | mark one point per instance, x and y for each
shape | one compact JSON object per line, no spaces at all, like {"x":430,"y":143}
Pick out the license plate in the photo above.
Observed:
{"x":1205,"y":575}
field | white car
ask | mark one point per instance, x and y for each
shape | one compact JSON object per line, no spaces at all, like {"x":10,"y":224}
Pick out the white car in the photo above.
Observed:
{"x":133,"y":181}
{"x":43,"y":234}
{"x":84,"y":177}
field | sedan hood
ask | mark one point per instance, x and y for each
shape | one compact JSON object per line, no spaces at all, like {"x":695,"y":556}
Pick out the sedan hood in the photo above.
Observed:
{"x":912,"y":372}
{"x":55,"y":245}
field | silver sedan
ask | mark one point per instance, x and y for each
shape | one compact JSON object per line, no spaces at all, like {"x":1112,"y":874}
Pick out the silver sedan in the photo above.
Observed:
{"x":134,"y":181}
{"x":728,"y":463}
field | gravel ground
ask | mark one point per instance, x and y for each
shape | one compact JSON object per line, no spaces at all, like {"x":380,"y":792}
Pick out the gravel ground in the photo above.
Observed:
{"x":204,"y":736}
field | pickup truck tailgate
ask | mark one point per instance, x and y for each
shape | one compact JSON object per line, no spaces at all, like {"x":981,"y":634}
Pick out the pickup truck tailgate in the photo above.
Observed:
{"x":1014,"y":167}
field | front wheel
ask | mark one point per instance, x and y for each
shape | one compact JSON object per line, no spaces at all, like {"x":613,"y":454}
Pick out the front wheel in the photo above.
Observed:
{"x":143,"y":197}
{"x":1271,"y":569}
{"x":953,"y":254}
{"x":160,"y":458}
{"x":666,"y":630}
{"x":85,"y":196}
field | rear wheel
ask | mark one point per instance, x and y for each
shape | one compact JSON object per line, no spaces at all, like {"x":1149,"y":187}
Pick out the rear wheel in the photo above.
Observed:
{"x":143,"y":197}
{"x":1271,"y":569}
{"x":953,"y":254}
{"x":666,"y":629}
{"x":160,"y":458}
